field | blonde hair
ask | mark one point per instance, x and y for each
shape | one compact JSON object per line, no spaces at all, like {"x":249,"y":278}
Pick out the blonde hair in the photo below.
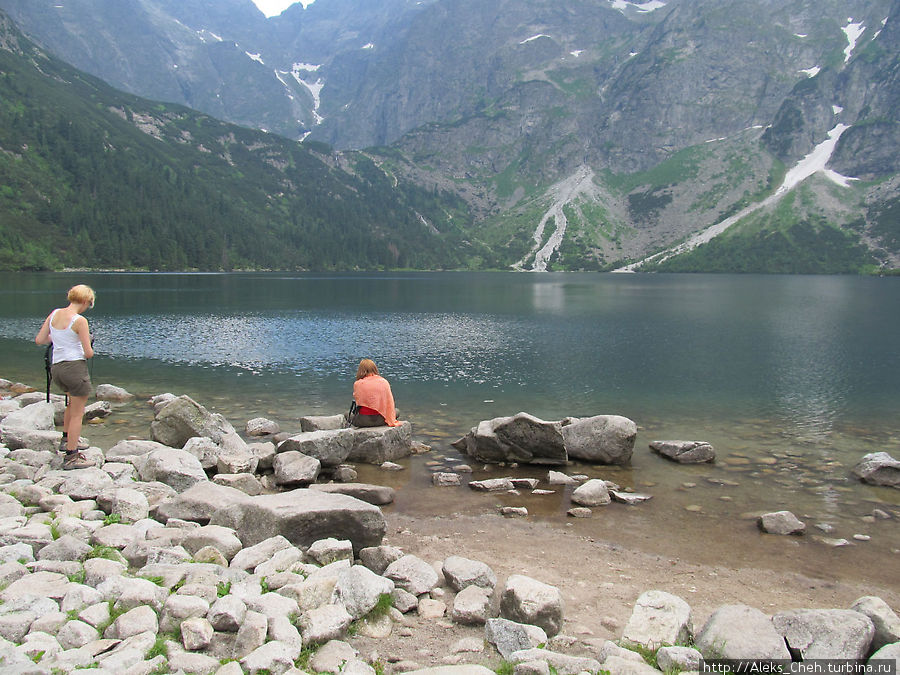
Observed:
{"x":366,"y":367}
{"x":81,"y":294}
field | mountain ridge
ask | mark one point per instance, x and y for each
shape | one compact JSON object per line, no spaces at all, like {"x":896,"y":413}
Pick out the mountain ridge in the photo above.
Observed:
{"x":685,"y":114}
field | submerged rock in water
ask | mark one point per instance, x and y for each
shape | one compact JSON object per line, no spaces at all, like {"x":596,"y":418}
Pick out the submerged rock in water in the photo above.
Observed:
{"x":781,"y":522}
{"x":685,"y":452}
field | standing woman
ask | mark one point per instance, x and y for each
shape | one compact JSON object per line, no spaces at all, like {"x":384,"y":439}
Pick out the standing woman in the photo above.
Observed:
{"x":71,"y":338}
{"x":372,"y":394}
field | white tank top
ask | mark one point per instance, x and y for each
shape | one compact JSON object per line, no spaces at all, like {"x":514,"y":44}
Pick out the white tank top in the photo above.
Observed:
{"x":66,"y":343}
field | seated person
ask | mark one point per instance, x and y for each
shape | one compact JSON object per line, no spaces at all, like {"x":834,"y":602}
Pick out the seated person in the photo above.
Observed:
{"x":373,"y":398}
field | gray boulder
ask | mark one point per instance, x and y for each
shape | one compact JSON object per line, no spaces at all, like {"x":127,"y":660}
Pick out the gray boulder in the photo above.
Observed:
{"x":412,"y":574}
{"x":331,"y":447}
{"x":374,"y":494}
{"x":527,"y":600}
{"x":826,"y":633}
{"x":205,"y":450}
{"x":34,"y":417}
{"x":879,"y":468}
{"x":328,"y":622}
{"x":461,"y":572}
{"x":295,"y":468}
{"x":678,"y":659}
{"x":592,"y":493}
{"x":471,"y":606}
{"x":377,"y":445}
{"x":603,"y":439}
{"x":885,"y":620}
{"x":109,"y":392}
{"x":520,"y":438}
{"x":358,"y":589}
{"x":42,"y":441}
{"x":200,"y":502}
{"x":563,"y":664}
{"x":377,"y":558}
{"x":323,"y":422}
{"x":183,"y":418}
{"x":781,"y":522}
{"x":889,"y":652}
{"x":98,"y":410}
{"x":302,"y":516}
{"x":260,"y":426}
{"x":127,"y":449}
{"x":176,"y":468}
{"x":235,"y":459}
{"x":658,"y":619}
{"x":741,"y":632}
{"x":510,"y":636}
{"x":685,"y":452}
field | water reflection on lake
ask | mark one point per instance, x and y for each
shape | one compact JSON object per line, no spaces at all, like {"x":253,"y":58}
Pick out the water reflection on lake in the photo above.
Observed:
{"x":791,"y":378}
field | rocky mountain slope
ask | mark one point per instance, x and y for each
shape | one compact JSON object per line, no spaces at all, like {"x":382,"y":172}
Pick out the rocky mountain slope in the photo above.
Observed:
{"x":668,"y":117}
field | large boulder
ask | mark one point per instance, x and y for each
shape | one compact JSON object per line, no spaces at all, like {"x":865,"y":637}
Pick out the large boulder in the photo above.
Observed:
{"x":323,"y":422}
{"x":374,"y":494}
{"x":520,"y":438}
{"x":331,"y":447}
{"x":295,"y":468}
{"x":685,"y":452}
{"x":34,"y":417}
{"x":176,"y":468}
{"x":377,"y":445}
{"x":132,"y":448}
{"x":303,"y":516}
{"x":603,"y":439}
{"x":878,"y":468}
{"x":741,"y":632}
{"x":15,"y":438}
{"x":183,"y":418}
{"x":886,"y":621}
{"x":658,"y":619}
{"x":200,"y":502}
{"x":826,"y":633}
{"x":526,"y":600}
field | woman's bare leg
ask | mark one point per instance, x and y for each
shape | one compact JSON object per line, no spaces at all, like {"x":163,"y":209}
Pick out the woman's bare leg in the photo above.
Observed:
{"x":72,"y":421}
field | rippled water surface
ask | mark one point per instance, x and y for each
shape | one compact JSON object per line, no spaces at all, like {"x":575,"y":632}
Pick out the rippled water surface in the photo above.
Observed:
{"x":791,"y":378}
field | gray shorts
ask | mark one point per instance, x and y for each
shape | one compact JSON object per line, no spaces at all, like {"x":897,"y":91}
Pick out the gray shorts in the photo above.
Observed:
{"x":72,"y":377}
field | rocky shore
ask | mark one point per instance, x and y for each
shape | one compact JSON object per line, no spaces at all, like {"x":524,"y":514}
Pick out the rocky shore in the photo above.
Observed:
{"x":194,"y":551}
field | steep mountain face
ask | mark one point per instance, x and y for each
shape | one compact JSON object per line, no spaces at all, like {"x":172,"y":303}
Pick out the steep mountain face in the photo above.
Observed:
{"x":582,"y":134}
{"x":92,"y":176}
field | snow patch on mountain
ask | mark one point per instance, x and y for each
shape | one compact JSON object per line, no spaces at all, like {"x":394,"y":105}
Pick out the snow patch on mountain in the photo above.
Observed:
{"x":811,"y":72}
{"x":815,"y":162}
{"x":642,"y":7}
{"x":580,"y":184}
{"x":535,"y":37}
{"x":314,"y":88}
{"x":256,"y":57}
{"x":853,"y":31}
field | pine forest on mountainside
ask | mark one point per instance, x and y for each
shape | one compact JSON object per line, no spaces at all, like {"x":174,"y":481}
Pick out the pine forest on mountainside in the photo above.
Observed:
{"x":81,"y":186}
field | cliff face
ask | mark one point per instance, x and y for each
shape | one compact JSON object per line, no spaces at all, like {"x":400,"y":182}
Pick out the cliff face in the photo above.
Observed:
{"x":684,"y":111}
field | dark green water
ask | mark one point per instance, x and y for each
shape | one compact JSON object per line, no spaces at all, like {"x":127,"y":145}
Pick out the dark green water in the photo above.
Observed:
{"x":791,"y":378}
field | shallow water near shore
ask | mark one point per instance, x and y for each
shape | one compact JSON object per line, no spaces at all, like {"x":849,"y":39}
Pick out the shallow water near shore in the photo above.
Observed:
{"x":792,"y":379}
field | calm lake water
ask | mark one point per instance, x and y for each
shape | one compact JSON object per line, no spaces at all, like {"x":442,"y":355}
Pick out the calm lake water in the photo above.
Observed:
{"x":792,"y":378}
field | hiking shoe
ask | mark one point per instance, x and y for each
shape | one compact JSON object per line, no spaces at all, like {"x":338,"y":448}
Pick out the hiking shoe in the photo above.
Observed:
{"x":63,"y":445}
{"x":76,"y":460}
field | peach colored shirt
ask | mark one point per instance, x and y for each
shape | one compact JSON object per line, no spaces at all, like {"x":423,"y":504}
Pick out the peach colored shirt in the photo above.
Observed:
{"x":373,"y":391}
